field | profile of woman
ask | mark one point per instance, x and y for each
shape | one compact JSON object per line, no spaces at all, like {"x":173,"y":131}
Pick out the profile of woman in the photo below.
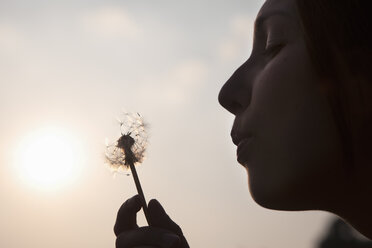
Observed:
{"x":303,"y":118}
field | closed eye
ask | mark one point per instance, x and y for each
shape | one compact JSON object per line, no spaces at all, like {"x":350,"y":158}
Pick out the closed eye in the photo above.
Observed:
{"x":273,"y":50}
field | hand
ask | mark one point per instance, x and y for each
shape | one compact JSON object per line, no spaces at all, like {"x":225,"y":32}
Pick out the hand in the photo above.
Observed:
{"x":162,"y":233}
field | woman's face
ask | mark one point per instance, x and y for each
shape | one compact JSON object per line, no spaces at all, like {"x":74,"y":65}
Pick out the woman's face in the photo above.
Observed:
{"x":294,"y":155}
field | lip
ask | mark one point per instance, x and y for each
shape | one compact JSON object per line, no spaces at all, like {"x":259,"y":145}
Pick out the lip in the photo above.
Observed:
{"x":241,"y":150}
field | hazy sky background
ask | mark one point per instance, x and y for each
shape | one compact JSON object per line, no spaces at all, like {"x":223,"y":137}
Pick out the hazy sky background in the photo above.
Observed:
{"x":73,"y":65}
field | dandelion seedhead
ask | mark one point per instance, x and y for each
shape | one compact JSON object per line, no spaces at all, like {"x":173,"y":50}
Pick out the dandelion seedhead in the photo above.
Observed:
{"x":130,"y":147}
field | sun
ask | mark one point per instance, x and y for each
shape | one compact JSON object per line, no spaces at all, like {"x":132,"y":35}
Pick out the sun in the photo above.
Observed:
{"x":48,"y":158}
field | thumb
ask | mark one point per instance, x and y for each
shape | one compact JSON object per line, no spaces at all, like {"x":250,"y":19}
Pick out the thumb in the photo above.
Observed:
{"x":159,"y":218}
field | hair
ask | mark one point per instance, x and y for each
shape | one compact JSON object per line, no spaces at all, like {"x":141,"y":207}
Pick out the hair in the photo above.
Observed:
{"x":338,"y":37}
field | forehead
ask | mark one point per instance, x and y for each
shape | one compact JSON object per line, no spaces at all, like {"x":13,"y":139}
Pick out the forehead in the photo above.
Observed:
{"x":277,"y":6}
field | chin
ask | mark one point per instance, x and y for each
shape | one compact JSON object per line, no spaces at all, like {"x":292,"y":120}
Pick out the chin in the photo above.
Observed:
{"x":276,"y":204}
{"x":279,"y":198}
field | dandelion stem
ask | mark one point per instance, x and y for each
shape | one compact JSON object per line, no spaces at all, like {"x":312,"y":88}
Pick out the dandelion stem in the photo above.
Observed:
{"x":139,"y":190}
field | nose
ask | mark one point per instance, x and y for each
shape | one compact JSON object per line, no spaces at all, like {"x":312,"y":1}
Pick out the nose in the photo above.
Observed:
{"x":235,"y":94}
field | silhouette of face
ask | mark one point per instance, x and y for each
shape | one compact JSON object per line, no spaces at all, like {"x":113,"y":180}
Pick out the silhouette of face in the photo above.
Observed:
{"x":294,"y":154}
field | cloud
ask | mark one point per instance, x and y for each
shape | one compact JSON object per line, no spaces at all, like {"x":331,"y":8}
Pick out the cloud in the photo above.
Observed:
{"x":110,"y":22}
{"x":239,"y":39}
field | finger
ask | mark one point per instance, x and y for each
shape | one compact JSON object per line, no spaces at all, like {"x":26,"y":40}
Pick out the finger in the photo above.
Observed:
{"x":159,"y":218}
{"x":126,"y":218}
{"x":147,"y":236}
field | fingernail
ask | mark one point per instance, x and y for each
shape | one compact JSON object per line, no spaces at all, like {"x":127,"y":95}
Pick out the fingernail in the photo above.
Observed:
{"x":170,"y":240}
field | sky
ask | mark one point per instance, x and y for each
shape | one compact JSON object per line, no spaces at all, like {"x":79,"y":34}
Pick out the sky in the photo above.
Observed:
{"x":69,"y":68}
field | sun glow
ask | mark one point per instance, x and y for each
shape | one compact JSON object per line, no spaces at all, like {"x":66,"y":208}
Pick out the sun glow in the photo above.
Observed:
{"x":48,"y":158}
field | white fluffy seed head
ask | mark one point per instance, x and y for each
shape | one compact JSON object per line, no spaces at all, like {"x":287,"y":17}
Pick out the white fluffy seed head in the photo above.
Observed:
{"x":131,"y":124}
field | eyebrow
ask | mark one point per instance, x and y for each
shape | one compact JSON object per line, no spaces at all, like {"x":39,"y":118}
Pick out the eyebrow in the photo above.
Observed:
{"x":263,"y":18}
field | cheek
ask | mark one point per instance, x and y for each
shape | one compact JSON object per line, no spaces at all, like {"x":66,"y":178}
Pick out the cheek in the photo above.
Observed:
{"x":296,"y":147}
